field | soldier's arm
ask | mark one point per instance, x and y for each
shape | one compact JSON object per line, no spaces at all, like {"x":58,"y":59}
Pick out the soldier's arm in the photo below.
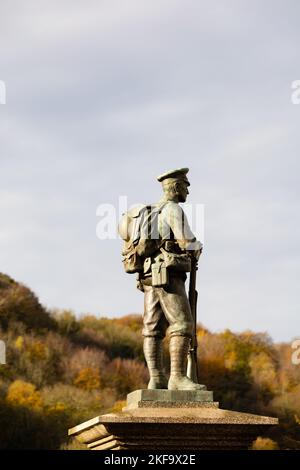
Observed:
{"x":179,"y":225}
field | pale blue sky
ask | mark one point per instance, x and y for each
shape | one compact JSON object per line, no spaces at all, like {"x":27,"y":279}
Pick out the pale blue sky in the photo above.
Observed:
{"x":102,"y":96}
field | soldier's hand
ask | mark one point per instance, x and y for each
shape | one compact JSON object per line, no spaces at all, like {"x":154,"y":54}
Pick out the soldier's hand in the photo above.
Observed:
{"x":197,"y":253}
{"x":139,"y":285}
{"x":195,"y":249}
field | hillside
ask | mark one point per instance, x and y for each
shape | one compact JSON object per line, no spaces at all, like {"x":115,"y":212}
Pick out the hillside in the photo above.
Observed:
{"x":62,"y":370}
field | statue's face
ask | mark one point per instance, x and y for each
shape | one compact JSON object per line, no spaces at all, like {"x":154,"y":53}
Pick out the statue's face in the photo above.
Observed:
{"x":182,"y":192}
{"x":177,"y":191}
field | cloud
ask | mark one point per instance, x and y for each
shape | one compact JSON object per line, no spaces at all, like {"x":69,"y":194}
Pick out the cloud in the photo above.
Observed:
{"x":103,"y":96}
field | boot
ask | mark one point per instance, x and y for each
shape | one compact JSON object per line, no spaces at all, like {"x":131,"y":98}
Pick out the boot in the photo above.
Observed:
{"x":179,"y":348}
{"x":153,"y":351}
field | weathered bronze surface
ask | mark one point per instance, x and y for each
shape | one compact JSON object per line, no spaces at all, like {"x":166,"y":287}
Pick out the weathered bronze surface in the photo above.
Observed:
{"x":162,"y":279}
{"x":184,"y":416}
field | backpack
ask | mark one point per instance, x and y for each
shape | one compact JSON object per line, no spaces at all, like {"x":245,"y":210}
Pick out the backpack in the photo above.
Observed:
{"x":139,"y":230}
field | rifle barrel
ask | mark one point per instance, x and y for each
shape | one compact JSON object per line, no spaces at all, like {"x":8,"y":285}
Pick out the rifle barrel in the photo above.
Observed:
{"x":192,"y":371}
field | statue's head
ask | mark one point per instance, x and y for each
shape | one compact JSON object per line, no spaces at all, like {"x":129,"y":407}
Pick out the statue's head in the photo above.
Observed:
{"x":175,"y":184}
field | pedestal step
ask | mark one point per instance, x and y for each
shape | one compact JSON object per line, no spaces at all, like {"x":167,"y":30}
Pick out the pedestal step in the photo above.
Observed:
{"x":168,"y":420}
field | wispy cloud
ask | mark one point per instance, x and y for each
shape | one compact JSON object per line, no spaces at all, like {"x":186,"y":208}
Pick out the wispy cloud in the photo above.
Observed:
{"x":105,"y":95}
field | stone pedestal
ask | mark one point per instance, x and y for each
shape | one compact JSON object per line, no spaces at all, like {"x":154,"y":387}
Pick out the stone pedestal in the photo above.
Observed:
{"x":172,"y":420}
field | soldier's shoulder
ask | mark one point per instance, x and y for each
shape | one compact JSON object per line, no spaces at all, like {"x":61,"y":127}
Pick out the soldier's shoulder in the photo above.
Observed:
{"x":171,"y":207}
{"x":171,"y":204}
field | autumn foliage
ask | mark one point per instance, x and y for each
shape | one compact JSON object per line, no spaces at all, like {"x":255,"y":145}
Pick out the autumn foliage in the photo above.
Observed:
{"x":62,"y":370}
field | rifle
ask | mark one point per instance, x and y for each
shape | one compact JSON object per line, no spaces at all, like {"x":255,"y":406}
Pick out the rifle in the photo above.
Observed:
{"x":192,"y":365}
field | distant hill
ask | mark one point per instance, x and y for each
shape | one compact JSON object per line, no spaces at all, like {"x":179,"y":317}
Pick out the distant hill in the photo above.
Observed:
{"x":19,"y":303}
{"x":62,"y":370}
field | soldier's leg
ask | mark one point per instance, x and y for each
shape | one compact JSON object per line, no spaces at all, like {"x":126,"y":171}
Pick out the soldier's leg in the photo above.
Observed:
{"x":179,"y":347}
{"x":176,"y":307}
{"x":154,"y":331}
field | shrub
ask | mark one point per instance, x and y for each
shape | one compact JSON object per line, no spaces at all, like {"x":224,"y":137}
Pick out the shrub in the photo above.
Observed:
{"x":22,"y":393}
{"x":36,"y":358}
{"x":133,"y":321}
{"x":117,"y":340}
{"x":27,"y":428}
{"x":126,"y":375}
{"x":88,"y":379}
{"x":264,"y":443}
{"x":263,"y":372}
{"x":73,"y":444}
{"x":82,"y":358}
{"x":79,"y":404}
{"x":66,"y":322}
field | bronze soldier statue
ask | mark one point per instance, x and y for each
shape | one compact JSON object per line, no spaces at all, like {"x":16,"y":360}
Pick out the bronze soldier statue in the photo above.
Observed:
{"x":162,"y":264}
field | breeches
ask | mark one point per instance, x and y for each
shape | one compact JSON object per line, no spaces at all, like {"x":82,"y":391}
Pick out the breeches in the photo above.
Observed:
{"x":167,"y":307}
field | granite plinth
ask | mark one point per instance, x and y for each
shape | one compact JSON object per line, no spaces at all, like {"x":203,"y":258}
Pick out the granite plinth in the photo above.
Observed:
{"x":168,"y":398}
{"x":176,"y":425}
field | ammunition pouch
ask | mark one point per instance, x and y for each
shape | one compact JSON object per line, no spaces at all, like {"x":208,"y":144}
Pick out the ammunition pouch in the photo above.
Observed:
{"x":160,"y":275}
{"x":177,"y":262}
{"x":133,"y":262}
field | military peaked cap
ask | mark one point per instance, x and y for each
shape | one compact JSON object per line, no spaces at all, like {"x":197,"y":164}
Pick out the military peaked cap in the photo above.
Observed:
{"x":174,"y":175}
